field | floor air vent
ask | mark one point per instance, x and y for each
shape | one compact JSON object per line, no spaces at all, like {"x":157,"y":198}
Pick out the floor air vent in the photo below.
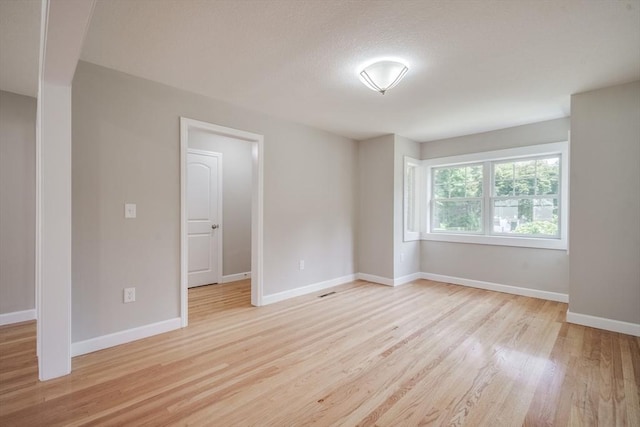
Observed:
{"x":326,"y":295}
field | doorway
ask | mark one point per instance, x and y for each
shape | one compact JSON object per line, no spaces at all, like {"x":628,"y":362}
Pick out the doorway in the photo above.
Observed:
{"x":190,"y":127}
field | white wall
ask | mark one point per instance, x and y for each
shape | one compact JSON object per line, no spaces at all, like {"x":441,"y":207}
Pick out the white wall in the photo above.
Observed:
{"x":605,"y":203}
{"x":375,"y":218}
{"x":17,"y":202}
{"x":406,"y":255}
{"x":126,"y":149}
{"x":236,"y":197}
{"x":538,"y":269}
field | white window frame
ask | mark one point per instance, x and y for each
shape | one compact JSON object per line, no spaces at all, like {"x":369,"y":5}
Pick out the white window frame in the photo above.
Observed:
{"x":488,"y":238}
{"x":417,"y":195}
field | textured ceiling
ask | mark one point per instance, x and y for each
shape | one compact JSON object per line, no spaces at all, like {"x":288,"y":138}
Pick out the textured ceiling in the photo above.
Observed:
{"x":19,"y":46}
{"x":474,"y":65}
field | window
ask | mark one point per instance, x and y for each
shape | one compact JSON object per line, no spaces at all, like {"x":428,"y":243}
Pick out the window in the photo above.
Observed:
{"x":457,"y":199}
{"x":525,"y":197}
{"x":514,"y":197}
{"x":412,"y":199}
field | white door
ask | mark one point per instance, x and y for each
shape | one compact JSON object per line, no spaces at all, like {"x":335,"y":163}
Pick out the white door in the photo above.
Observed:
{"x":204,"y":217}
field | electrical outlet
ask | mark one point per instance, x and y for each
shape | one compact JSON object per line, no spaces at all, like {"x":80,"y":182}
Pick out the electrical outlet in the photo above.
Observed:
{"x":129,"y":294}
{"x":129,"y":210}
{"x":301,"y":264}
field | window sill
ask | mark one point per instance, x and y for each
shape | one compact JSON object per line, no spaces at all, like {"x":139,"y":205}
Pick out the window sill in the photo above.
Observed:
{"x":523,"y":242}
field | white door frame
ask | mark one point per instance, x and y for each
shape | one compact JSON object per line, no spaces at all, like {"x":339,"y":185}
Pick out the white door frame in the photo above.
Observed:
{"x":257,"y":207}
{"x":218,"y":206}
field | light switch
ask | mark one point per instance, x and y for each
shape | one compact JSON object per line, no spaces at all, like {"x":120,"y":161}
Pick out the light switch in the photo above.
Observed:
{"x":130,"y":210}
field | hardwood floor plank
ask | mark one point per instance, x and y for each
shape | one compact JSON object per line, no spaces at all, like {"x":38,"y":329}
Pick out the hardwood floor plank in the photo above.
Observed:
{"x":451,"y":387}
{"x":347,"y":357}
{"x":631,"y":388}
{"x":425,"y":353}
{"x":586,"y":400}
{"x":520,"y":372}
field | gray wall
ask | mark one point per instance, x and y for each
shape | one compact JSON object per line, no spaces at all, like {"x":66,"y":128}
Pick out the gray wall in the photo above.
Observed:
{"x":605,"y":203}
{"x":376,"y":191}
{"x":126,"y":148}
{"x":17,"y":202}
{"x":236,"y":197}
{"x":406,"y":255}
{"x":540,"y":269}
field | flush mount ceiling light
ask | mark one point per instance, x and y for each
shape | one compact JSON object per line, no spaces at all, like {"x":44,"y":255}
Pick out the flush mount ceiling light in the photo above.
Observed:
{"x":383,"y":75}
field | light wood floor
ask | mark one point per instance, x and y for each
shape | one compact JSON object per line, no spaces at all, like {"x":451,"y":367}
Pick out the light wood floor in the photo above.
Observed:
{"x":420,"y":354}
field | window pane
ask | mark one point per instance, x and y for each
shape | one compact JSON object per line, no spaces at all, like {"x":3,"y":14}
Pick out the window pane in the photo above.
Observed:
{"x":473,"y":189}
{"x":458,"y":181}
{"x":441,"y":176}
{"x":524,"y":186}
{"x":474,"y":181}
{"x":441,"y":191}
{"x":505,"y":216}
{"x":503,"y":171}
{"x":503,"y":188}
{"x":457,"y":189}
{"x":535,"y":217}
{"x":547,"y":173}
{"x":460,"y":216}
{"x":525,"y":178}
{"x":503,"y":174}
{"x":546,"y":209}
{"x":524,"y":169}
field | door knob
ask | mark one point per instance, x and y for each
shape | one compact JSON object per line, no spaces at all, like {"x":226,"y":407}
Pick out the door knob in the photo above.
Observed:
{"x":214,"y":226}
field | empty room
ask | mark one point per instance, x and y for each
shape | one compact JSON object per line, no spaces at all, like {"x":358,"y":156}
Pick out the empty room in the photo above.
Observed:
{"x":327,"y":212}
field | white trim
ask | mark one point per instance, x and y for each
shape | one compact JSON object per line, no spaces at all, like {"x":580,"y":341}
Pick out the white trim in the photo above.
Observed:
{"x":236,"y":277}
{"x":257,"y":219}
{"x":417,"y":198}
{"x":389,"y":282}
{"x":63,"y":28}
{"x":515,"y":290}
{"x":17,"y":317}
{"x":257,"y":208}
{"x":184,"y":245}
{"x":123,"y":337}
{"x":375,"y":279}
{"x":281,"y":296}
{"x":44,"y":10}
{"x":407,"y":279}
{"x":219,"y":205}
{"x":482,"y":239}
{"x":604,"y":323}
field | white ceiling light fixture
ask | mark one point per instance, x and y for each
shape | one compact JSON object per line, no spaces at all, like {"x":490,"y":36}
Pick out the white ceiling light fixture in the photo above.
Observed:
{"x":383,"y":75}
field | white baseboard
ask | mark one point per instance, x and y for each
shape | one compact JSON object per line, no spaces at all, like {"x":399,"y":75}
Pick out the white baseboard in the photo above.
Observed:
{"x":389,"y":282}
{"x":281,"y":296}
{"x":407,"y":279}
{"x":375,"y":279}
{"x":604,"y":323}
{"x":17,"y":317}
{"x":123,"y":337}
{"x":235,"y":277}
{"x":527,"y":292}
